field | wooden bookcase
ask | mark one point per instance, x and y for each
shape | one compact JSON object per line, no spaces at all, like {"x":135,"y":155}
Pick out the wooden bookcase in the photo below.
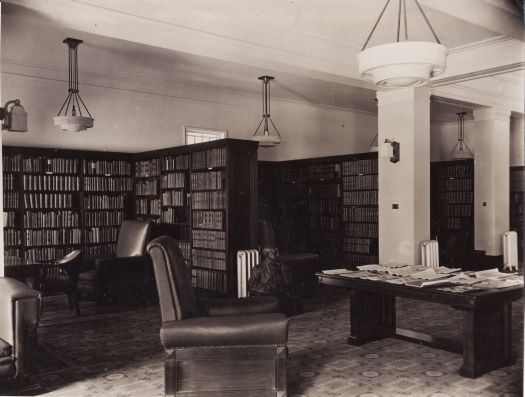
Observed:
{"x":452,"y":210}
{"x":327,"y":205}
{"x":517,"y":197}
{"x":204,"y":195}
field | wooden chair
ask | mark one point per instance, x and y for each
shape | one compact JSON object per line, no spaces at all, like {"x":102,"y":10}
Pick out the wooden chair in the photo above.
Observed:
{"x":220,"y":347}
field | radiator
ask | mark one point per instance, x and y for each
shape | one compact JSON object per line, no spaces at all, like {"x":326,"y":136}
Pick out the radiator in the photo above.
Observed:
{"x":246,"y":260}
{"x":430,"y":253}
{"x":510,"y":251}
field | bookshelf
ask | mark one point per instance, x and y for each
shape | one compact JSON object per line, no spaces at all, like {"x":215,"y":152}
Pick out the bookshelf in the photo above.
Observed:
{"x":12,"y":173}
{"x":517,"y":197}
{"x":327,"y":205}
{"x":452,"y":210}
{"x":147,"y":190}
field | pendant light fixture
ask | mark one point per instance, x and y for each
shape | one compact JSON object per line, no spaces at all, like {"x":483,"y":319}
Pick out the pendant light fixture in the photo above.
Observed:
{"x":461,"y":150}
{"x":266,"y":139}
{"x":402,"y":63}
{"x":72,"y":122}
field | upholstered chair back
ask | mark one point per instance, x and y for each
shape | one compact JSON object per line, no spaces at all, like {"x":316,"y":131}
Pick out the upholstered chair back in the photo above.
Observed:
{"x":176,"y":295}
{"x":132,"y":238}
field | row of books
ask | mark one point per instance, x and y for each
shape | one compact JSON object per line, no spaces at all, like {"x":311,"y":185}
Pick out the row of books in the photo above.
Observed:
{"x":147,"y":168}
{"x":185,"y":249}
{"x":106,"y":167}
{"x":295,"y":175}
{"x":207,"y":220}
{"x":325,"y":206}
{"x":12,"y":163}
{"x":360,"y":245}
{"x":172,"y":181}
{"x":9,"y":182}
{"x":54,"y":165}
{"x":456,"y":171}
{"x":325,"y":223}
{"x":212,"y":180}
{"x":171,"y":215}
{"x":12,"y":237}
{"x":100,"y":249}
{"x":209,"y":239}
{"x":455,"y":184}
{"x":101,"y":183}
{"x":359,"y":259}
{"x":360,"y":182}
{"x":104,"y":202}
{"x":172,"y":163}
{"x":52,"y":237}
{"x":51,"y":219}
{"x":517,"y":185}
{"x":361,"y":230}
{"x":357,"y":167}
{"x":456,"y":223}
{"x":209,"y":200}
{"x":325,"y":190}
{"x":147,"y":207}
{"x":147,"y":187}
{"x":209,"y":279}
{"x":33,"y":255}
{"x":360,"y":214}
{"x":51,"y":182}
{"x":101,"y":234}
{"x":11,"y":253}
{"x":325,"y":239}
{"x":209,"y":158}
{"x":11,"y":200}
{"x":324,"y":171}
{"x":457,"y":210}
{"x":9,"y":219}
{"x":456,"y":197}
{"x":173,"y":198}
{"x":215,"y":260}
{"x":48,"y":200}
{"x":103,"y":218}
{"x":360,"y":197}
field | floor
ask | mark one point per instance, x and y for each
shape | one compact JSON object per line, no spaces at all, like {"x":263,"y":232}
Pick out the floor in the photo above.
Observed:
{"x":115,"y":351}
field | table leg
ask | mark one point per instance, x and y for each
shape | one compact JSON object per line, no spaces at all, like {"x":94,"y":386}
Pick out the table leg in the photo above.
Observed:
{"x":487,"y":339}
{"x":372,"y":317}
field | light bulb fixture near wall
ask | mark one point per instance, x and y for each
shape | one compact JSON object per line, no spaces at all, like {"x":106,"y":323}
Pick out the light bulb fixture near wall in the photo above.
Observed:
{"x":15,"y":119}
{"x":461,"y":149}
{"x":402,"y":63}
{"x":73,"y":122}
{"x":266,"y":139}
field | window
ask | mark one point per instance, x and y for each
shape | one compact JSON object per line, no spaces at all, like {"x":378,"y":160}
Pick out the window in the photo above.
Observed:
{"x":198,"y":135}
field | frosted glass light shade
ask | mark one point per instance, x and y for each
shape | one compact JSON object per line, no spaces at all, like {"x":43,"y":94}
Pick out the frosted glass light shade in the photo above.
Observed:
{"x":402,"y":64}
{"x":73,"y":123}
{"x":267,"y":140}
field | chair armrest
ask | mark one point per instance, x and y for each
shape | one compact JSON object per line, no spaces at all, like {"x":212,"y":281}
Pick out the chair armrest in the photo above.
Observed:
{"x":120,"y":261}
{"x":249,"y":330}
{"x":19,"y":316}
{"x":235,"y":307}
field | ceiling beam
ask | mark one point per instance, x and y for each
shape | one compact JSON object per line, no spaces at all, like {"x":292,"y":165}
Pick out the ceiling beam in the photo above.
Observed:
{"x":482,"y":14}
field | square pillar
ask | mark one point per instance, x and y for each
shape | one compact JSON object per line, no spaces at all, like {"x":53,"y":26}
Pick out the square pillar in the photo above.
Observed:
{"x":404,"y":117}
{"x":491,"y":178}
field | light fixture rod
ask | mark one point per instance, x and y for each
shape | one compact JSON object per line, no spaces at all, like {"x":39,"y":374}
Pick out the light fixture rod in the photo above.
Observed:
{"x":405,"y":17}
{"x":375,"y":25}
{"x":427,"y":21}
{"x":398,"y":19}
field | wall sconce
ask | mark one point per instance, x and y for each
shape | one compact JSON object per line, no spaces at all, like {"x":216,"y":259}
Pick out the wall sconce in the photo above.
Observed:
{"x":14,"y":119}
{"x":390,"y":149}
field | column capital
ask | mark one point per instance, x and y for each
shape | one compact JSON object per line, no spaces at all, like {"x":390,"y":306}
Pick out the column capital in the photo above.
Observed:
{"x":492,"y":113}
{"x":404,"y":95}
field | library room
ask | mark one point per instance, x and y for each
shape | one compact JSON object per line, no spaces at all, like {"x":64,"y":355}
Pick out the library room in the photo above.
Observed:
{"x":253,"y":199}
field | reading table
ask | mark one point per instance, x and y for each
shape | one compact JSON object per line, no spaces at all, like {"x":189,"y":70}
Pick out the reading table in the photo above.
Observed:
{"x":487,"y":319}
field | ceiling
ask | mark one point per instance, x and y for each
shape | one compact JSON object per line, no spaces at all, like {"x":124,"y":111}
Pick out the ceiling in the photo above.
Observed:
{"x":308,"y":45}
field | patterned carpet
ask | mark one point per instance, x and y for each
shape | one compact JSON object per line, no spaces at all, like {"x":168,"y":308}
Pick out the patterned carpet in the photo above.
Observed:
{"x":115,"y":351}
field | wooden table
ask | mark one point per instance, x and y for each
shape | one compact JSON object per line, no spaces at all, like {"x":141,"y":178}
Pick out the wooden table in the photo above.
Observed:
{"x":487,"y":319}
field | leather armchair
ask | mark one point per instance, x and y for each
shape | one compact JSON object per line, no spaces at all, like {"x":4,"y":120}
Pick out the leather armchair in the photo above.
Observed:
{"x":61,"y":275}
{"x":19,"y":316}
{"x":218,"y":346}
{"x":123,"y":274}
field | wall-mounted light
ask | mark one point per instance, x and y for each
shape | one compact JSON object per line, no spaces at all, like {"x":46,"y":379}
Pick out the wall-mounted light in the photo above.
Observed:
{"x":15,"y":119}
{"x":266,"y":139}
{"x":390,"y":149}
{"x":73,"y":122}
